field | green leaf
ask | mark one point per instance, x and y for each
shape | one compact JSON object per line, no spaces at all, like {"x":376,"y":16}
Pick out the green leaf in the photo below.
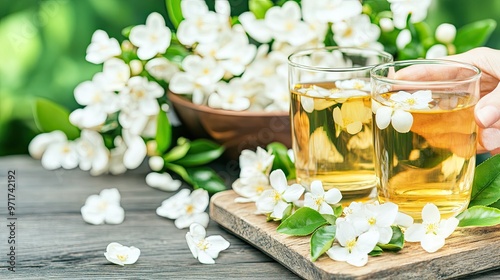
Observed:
{"x":321,"y":241}
{"x":259,"y":7}
{"x":50,"y":116}
{"x":337,"y":211}
{"x":281,"y":159}
{"x":126,"y":31}
{"x":202,"y":151}
{"x":207,"y":179}
{"x":474,"y":34}
{"x":303,"y":222}
{"x":178,"y":151}
{"x":163,"y":132}
{"x":174,"y":11}
{"x":397,"y":240}
{"x":377,"y":251}
{"x":479,"y":216}
{"x":331,"y":219}
{"x":181,"y":171}
{"x":486,"y":184}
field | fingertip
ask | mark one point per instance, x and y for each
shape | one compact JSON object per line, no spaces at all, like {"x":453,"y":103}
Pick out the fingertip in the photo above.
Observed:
{"x":486,"y":116}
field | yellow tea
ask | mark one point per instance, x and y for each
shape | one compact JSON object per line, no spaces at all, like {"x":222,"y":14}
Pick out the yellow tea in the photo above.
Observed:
{"x":332,"y":137}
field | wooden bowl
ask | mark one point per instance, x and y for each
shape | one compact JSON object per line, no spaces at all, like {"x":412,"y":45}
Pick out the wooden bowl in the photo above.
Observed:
{"x":236,"y":130}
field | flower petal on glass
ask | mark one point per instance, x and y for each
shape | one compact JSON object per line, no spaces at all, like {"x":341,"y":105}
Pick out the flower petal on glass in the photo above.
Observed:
{"x":430,"y":214}
{"x":354,"y":127}
{"x":278,"y":180}
{"x":431,"y":243}
{"x":337,"y":116}
{"x":307,"y":103}
{"x":187,"y":220}
{"x":402,"y":121}
{"x":383,"y":117}
{"x":422,"y":98}
{"x":415,"y":233}
{"x":293,"y":193}
{"x":333,"y":196}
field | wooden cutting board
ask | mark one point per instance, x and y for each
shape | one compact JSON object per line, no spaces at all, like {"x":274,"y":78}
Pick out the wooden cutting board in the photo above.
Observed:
{"x":467,"y":250}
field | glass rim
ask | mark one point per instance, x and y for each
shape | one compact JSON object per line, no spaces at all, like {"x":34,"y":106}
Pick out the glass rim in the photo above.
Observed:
{"x":303,"y":52}
{"x":448,"y":62}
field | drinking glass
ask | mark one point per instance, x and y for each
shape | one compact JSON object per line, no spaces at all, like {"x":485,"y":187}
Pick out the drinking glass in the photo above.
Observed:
{"x":425,"y":134}
{"x":331,"y":119}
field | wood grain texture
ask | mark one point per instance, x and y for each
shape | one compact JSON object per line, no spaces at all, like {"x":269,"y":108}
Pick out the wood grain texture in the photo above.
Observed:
{"x":54,"y":242}
{"x":467,"y":251}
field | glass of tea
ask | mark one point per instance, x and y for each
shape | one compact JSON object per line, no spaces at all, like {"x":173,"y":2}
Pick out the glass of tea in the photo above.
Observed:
{"x":425,"y":134}
{"x":331,"y":118}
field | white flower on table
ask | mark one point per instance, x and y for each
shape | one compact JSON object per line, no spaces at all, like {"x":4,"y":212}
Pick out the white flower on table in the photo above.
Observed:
{"x":201,"y":25}
{"x":162,"y":181}
{"x":275,"y":201}
{"x":102,"y":48}
{"x":121,"y":255}
{"x":103,"y":208}
{"x":353,"y":248}
{"x":161,"y":68}
{"x":152,"y":38}
{"x":250,"y":188}
{"x":42,"y":141}
{"x":320,"y":200}
{"x":351,"y":116}
{"x":93,"y":154}
{"x":203,"y":248}
{"x":357,"y":31}
{"x":186,"y":208}
{"x":116,"y":74}
{"x":286,"y":24}
{"x":396,"y":112}
{"x":252,"y":163}
{"x":199,"y":79}
{"x":402,"y":8}
{"x":330,"y":10}
{"x":433,"y":231}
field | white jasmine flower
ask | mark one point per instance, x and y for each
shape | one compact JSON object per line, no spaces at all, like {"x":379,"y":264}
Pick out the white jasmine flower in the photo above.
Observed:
{"x":279,"y":95}
{"x":60,"y":154}
{"x":162,"y":181}
{"x":102,"y":47}
{"x":141,"y":94}
{"x":286,"y":24}
{"x":161,"y":68}
{"x":136,"y":150}
{"x":351,"y":116}
{"x":156,"y":163}
{"x":116,"y":165}
{"x":330,"y":10}
{"x":402,"y":8}
{"x":152,"y":38}
{"x":256,"y":28}
{"x":320,"y":200}
{"x":354,"y":84}
{"x":94,"y":156}
{"x":433,"y":231}
{"x":200,"y":25}
{"x":386,"y":24}
{"x":103,"y":208}
{"x":121,"y":255}
{"x":116,"y":74}
{"x":136,"y":67}
{"x":403,"y":39}
{"x":353,"y":249}
{"x":258,"y":162}
{"x":250,"y":188}
{"x":355,"y":32}
{"x":186,"y":208}
{"x":237,"y":53}
{"x":375,"y":217}
{"x":436,"y":51}
{"x":199,"y":79}
{"x":39,"y":144}
{"x":275,"y":201}
{"x":230,"y":96}
{"x":452,"y":166}
{"x":445,"y":33}
{"x":413,"y":101}
{"x":203,"y":248}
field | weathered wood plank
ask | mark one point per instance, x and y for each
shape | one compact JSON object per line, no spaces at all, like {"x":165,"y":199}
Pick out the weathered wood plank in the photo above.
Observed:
{"x":467,"y":251}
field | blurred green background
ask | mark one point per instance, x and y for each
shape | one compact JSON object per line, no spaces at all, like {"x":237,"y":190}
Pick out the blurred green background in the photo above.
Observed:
{"x":43,"y":43}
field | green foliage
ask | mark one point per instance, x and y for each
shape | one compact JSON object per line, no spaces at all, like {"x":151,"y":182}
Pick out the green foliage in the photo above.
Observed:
{"x":281,"y":159}
{"x":259,"y":7}
{"x":303,"y":222}
{"x":474,"y":34}
{"x":163,"y":132}
{"x":322,"y":240}
{"x":397,"y":240}
{"x":201,"y":151}
{"x":206,"y":178}
{"x":50,"y":116}
{"x":479,"y":216}
{"x":486,"y":184}
{"x":174,"y":11}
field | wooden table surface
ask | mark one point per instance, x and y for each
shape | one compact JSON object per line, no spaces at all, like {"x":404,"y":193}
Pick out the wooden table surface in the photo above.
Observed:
{"x":53,"y":241}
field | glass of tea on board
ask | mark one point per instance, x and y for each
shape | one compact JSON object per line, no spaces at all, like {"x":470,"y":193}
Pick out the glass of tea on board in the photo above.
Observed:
{"x":331,"y":119}
{"x":425,"y":135}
